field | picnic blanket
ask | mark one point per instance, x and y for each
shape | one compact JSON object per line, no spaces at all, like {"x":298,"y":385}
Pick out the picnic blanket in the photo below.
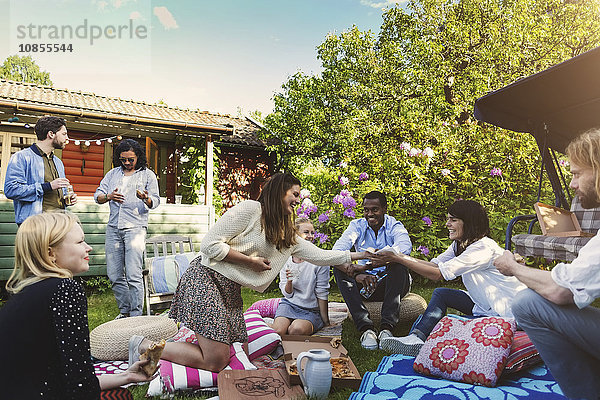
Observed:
{"x":396,"y":379}
{"x":338,"y":312}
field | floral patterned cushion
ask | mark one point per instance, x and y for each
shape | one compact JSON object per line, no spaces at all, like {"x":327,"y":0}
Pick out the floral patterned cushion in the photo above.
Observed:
{"x":473,"y":351}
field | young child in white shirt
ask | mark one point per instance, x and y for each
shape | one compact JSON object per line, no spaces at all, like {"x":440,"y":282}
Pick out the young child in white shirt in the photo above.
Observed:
{"x":305,"y":287}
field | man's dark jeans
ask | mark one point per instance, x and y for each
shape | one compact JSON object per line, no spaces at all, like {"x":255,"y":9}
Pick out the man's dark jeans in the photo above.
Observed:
{"x":390,"y":290}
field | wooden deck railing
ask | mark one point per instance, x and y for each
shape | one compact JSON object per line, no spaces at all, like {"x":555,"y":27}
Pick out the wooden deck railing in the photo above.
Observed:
{"x":181,"y":219}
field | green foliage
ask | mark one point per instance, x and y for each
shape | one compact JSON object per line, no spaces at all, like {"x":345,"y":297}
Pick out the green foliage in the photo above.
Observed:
{"x":191,"y":156}
{"x":379,"y":102}
{"x":24,"y":69}
{"x":96,"y":284}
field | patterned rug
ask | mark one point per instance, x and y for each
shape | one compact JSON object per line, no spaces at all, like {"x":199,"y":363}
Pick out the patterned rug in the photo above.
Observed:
{"x":338,"y":312}
{"x":396,"y":379}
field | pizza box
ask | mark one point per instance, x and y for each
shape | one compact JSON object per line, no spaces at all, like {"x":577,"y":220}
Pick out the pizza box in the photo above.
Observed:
{"x":293,"y":345}
{"x":263,"y":384}
{"x":555,"y":221}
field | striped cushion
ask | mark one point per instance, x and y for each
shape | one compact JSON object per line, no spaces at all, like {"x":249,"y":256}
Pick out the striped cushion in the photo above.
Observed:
{"x":164,"y":272}
{"x":523,"y":354}
{"x":183,"y":261}
{"x":178,"y":377}
{"x":262,"y":339}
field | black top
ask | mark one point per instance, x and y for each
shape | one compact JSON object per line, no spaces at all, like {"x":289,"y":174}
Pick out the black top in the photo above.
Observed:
{"x":45,"y":346}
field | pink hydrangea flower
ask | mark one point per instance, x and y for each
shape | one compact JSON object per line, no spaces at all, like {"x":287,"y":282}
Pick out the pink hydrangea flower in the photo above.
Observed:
{"x":496,"y":172}
{"x":344,"y":181}
{"x":349,"y":213}
{"x":363,"y":176}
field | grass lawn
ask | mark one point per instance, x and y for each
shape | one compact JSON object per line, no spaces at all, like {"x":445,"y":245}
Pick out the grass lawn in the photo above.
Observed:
{"x":102,"y":308}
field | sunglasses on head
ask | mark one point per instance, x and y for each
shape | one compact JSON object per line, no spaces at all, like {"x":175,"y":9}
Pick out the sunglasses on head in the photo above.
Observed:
{"x":128,"y":159}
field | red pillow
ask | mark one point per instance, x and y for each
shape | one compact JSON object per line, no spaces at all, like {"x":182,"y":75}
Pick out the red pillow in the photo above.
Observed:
{"x":523,"y":354}
{"x":266,"y":307}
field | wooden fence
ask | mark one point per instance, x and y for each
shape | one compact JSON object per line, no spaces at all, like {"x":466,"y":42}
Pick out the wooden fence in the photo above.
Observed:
{"x":180,"y":219}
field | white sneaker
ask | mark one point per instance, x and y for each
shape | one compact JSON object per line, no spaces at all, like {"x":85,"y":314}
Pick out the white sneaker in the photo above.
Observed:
{"x":368,"y":340}
{"x":408,"y":345}
{"x":384,"y":334}
{"x":134,"y":349}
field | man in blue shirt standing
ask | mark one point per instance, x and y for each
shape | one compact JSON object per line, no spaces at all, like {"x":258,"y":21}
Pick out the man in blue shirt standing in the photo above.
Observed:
{"x":387,"y":282}
{"x":35,"y":177}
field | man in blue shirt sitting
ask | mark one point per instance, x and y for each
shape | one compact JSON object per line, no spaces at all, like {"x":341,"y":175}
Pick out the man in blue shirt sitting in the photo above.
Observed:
{"x":387,"y":282}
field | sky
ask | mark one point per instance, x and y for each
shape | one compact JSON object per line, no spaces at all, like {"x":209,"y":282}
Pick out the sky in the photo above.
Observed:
{"x":226,"y":56}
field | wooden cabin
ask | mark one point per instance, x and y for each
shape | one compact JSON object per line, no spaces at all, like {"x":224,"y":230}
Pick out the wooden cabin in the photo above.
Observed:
{"x":96,"y":124}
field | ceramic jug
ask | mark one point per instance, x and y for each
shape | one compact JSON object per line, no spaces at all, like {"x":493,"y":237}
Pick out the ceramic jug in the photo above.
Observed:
{"x":316,"y":373}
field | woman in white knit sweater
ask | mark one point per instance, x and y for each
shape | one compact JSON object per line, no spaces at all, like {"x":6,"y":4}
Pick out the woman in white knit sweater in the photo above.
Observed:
{"x":247,"y":246}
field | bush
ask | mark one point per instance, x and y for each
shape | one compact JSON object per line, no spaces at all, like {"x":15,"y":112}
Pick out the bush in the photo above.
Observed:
{"x":95,"y":284}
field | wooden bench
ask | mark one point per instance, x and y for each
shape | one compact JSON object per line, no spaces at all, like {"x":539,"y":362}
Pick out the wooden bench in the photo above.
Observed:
{"x":162,"y":271}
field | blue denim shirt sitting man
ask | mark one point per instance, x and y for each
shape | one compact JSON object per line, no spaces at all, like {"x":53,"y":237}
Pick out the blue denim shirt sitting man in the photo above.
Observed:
{"x":388,"y":282}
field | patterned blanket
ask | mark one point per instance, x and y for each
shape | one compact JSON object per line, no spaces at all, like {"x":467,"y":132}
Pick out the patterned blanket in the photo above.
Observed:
{"x":396,"y":379}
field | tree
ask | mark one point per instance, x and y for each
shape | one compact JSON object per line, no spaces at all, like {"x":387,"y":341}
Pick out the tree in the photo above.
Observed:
{"x":24,"y":69}
{"x":381,"y":101}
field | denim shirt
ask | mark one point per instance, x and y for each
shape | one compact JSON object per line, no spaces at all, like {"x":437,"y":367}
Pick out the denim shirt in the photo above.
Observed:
{"x":24,"y":182}
{"x":133,"y":212}
{"x":361,"y":236}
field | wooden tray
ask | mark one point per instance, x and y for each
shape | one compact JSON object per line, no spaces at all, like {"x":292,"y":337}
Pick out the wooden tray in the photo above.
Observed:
{"x":555,"y":221}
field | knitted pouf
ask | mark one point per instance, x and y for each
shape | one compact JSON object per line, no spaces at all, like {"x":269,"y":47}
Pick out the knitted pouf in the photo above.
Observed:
{"x":110,"y":341}
{"x":411,"y":306}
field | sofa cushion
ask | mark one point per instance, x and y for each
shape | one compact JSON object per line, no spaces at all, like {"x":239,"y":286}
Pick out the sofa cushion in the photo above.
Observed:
{"x":473,"y":351}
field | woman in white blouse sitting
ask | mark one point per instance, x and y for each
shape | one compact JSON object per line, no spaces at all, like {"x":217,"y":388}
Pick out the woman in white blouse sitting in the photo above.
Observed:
{"x":471,"y":256}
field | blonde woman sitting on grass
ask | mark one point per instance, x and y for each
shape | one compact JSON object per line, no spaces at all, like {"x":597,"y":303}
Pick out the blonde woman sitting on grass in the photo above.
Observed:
{"x":44,"y":325}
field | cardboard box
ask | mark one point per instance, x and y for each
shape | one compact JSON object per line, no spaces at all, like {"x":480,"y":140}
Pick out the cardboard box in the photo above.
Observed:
{"x":293,"y":345}
{"x":263,"y":384}
{"x":555,"y":221}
